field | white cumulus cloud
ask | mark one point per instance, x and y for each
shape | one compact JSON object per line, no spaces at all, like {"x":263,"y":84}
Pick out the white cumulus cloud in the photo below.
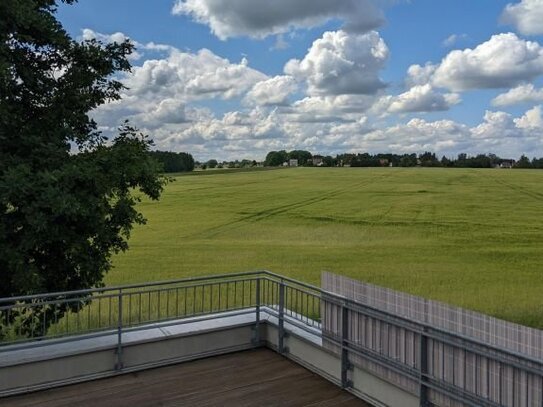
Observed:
{"x":532,"y":120}
{"x":420,"y":75}
{"x":158,"y":91}
{"x":342,"y":63}
{"x":119,"y":37}
{"x":453,"y":39}
{"x":501,"y":62}
{"x":525,"y":93}
{"x":260,"y":18}
{"x":526,"y":16}
{"x":273,"y":91}
{"x":193,"y":76}
{"x":422,"y":98}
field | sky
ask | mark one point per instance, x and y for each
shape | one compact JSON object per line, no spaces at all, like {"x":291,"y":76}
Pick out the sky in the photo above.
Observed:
{"x":234,"y":79}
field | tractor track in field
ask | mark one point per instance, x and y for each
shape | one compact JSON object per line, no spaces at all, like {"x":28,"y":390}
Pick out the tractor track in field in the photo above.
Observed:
{"x":282,"y":209}
{"x":412,"y":222}
{"x":524,"y":191}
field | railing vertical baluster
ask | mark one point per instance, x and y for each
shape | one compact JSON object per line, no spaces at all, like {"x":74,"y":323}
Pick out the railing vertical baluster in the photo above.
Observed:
{"x":177,"y":302}
{"x":345,"y":364}
{"x":235,"y":294}
{"x":256,"y":335}
{"x":193,"y":300}
{"x":185,"y":304}
{"x":119,"y":364}
{"x":203,"y":298}
{"x":220,"y":287}
{"x":44,"y":321}
{"x":281,"y":342}
{"x":149,"y":306}
{"x":158,"y":292}
{"x":77,"y":319}
{"x":168,"y":302}
{"x":99,"y":312}
{"x":89,"y":315}
{"x":211,"y":297}
{"x":227,"y":294}
{"x":306,"y":307}
{"x":424,"y":401}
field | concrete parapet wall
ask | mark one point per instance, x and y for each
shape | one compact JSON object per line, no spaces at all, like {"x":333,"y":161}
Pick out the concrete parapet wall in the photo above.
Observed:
{"x":56,"y":363}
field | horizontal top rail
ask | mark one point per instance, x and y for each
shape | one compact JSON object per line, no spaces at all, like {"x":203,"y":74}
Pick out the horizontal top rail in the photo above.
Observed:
{"x":255,"y":273}
{"x":131,"y":286}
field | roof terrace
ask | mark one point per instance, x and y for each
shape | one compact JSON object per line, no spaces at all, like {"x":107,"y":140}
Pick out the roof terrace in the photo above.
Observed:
{"x":259,"y":338}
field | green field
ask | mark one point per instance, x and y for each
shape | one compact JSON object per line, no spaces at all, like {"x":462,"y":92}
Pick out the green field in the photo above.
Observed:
{"x":473,"y":238}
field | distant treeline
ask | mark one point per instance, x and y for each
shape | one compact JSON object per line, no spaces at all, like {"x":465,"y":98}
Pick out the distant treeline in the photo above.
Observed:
{"x":426,"y":159}
{"x":173,"y":162}
{"x":429,"y":159}
{"x":183,"y":162}
{"x":304,"y":158}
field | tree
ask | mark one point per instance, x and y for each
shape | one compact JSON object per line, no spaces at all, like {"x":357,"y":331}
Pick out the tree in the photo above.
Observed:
{"x":67,"y":199}
{"x":301,"y":155}
{"x":408,"y":160}
{"x":429,"y":159}
{"x":212,"y":163}
{"x":276,"y":158}
{"x":523,"y":162}
{"x":173,"y":162}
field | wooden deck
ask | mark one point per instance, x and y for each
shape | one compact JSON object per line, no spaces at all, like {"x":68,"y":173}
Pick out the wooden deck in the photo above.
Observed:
{"x":252,"y":378}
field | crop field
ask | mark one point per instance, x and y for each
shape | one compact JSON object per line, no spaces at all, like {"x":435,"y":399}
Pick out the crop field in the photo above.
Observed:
{"x":472,"y":238}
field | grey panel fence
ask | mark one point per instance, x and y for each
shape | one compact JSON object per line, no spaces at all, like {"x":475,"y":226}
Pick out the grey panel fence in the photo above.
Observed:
{"x":446,"y":355}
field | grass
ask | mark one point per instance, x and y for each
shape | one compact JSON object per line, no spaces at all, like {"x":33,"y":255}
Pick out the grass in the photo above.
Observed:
{"x":472,"y":238}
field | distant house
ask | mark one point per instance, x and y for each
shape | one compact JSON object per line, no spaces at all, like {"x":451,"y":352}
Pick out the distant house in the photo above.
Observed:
{"x":507,"y":164}
{"x":293,"y":162}
{"x":383,"y":162}
{"x":317,"y":160}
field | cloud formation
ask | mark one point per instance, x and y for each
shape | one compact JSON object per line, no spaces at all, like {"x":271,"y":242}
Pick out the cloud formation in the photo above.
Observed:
{"x":192,"y":76}
{"x":260,"y":18}
{"x":526,"y":16}
{"x":330,"y":101}
{"x":501,"y":62}
{"x":119,"y":37}
{"x":453,"y":39}
{"x":342,"y":63}
{"x":422,"y":98}
{"x":525,"y":93}
{"x":159,"y":90}
{"x":273,"y":91}
{"x":509,"y":136}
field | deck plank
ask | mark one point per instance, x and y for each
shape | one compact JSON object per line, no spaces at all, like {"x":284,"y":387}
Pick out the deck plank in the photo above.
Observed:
{"x":252,"y":378}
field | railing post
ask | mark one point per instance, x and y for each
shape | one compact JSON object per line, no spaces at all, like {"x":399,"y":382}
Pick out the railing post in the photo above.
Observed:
{"x":345,"y":364}
{"x":424,"y":401}
{"x":281,"y":339}
{"x":119,"y":364}
{"x":256,"y":336}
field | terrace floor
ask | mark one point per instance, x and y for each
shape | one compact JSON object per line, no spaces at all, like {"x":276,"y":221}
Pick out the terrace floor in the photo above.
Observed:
{"x":252,"y":378}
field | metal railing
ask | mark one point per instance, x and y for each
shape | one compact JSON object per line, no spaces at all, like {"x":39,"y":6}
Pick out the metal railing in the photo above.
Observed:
{"x":29,"y":321}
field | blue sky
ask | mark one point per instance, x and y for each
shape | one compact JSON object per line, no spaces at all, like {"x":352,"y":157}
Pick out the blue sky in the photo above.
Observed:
{"x":328,"y":76}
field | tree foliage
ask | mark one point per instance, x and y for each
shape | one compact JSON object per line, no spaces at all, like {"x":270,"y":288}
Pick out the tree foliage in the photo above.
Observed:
{"x":67,"y":194}
{"x":212,"y":163}
{"x":275,"y":158}
{"x":173,"y":162}
{"x":301,"y":155}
